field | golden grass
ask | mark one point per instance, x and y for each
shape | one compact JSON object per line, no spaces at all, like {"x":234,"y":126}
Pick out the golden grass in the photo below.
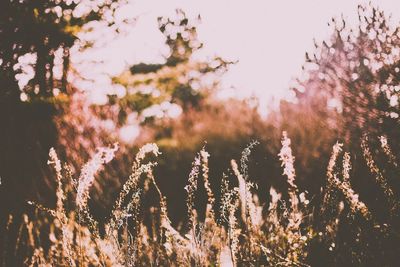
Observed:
{"x":241,"y":232}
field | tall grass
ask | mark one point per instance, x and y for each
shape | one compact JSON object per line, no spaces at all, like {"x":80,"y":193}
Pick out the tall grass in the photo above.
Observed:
{"x":234,"y":229}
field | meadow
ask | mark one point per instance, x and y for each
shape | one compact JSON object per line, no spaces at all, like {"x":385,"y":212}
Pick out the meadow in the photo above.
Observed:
{"x":235,"y":229}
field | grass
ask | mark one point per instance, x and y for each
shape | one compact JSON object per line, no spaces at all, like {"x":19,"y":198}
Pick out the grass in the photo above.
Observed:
{"x":234,"y":229}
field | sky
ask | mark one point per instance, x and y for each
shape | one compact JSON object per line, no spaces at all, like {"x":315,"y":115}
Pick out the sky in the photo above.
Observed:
{"x":268,"y":38}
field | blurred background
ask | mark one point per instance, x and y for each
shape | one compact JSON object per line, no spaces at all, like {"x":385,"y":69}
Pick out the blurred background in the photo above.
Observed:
{"x":82,"y":74}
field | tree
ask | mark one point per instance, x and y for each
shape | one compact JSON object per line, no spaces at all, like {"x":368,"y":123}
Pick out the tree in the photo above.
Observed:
{"x":356,"y":75}
{"x":35,"y":37}
{"x":351,"y":85}
{"x":44,"y":30}
{"x":180,"y":80}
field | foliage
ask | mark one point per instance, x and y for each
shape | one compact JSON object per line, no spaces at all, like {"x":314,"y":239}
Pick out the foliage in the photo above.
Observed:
{"x":180,"y":80}
{"x":356,"y":74}
{"x":42,"y":31}
{"x":345,"y":215}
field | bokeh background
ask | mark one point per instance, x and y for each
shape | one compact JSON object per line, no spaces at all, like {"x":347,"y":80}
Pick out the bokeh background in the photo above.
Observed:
{"x":78,"y":75}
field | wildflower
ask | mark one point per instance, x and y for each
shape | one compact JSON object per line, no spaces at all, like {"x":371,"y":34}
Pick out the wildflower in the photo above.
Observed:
{"x":388,"y":151}
{"x":245,"y":158}
{"x":86,"y":179}
{"x":147,"y":148}
{"x":346,"y":167}
{"x":337,"y":148}
{"x":210,"y":196}
{"x":191,"y":189}
{"x":57,"y":166}
{"x":287,"y":159}
{"x":248,"y":207}
{"x":380,"y":179}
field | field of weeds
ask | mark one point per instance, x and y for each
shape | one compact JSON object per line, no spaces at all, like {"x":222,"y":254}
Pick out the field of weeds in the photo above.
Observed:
{"x":235,"y":229}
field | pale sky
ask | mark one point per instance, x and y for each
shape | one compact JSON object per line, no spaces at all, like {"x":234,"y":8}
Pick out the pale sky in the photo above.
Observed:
{"x":268,"y":38}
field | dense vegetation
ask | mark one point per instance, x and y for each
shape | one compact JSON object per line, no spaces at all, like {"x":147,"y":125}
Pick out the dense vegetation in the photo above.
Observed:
{"x":315,"y":183}
{"x":233,"y":229}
